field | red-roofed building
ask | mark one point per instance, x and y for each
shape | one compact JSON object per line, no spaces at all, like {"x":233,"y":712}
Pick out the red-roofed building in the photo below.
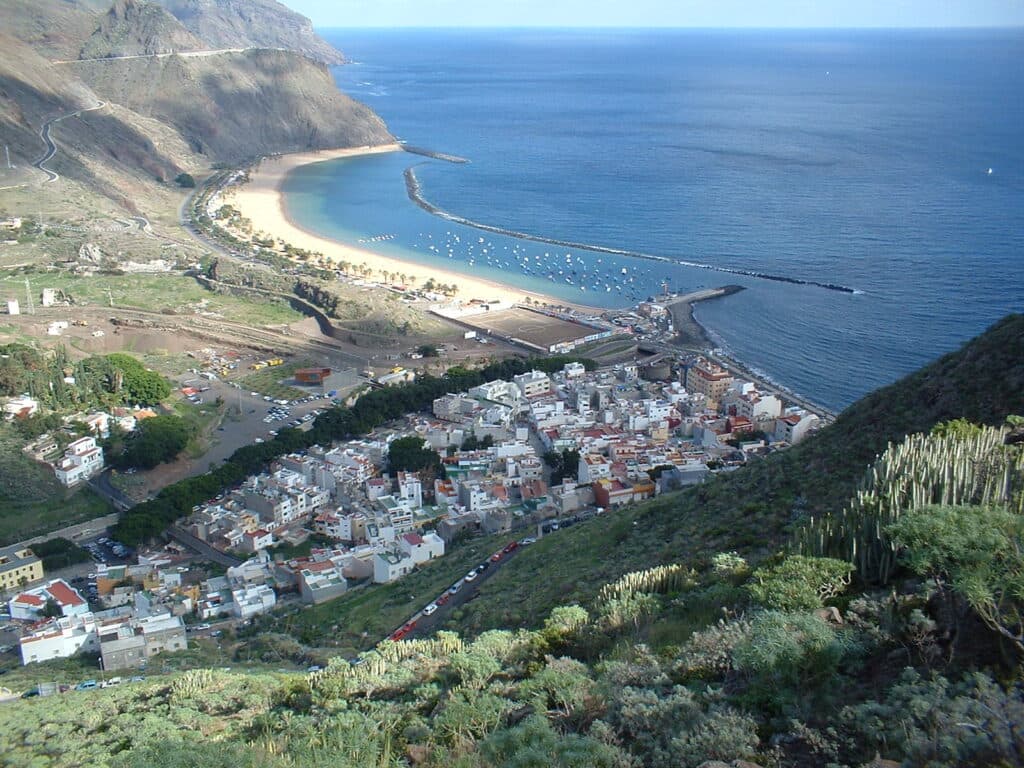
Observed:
{"x":29,"y":605}
{"x":254,"y":541}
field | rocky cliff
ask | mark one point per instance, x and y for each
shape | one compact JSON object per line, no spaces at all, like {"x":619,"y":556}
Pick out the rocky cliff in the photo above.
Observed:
{"x":252,"y":24}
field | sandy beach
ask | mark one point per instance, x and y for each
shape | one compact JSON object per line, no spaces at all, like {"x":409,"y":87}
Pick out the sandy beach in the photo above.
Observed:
{"x":262,"y":202}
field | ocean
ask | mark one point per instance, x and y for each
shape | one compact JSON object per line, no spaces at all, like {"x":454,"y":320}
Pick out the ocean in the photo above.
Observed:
{"x":888,"y":163}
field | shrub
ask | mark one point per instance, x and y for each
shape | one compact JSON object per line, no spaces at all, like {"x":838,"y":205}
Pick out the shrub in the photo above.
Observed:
{"x":788,"y":659}
{"x":799,"y":583}
{"x":937,"y":723}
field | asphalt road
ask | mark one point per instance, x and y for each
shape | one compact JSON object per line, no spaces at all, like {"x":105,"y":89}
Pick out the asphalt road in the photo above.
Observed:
{"x":427,"y":625}
{"x":51,"y":148}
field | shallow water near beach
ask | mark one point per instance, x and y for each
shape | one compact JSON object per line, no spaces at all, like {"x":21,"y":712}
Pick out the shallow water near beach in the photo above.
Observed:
{"x":858,"y":159}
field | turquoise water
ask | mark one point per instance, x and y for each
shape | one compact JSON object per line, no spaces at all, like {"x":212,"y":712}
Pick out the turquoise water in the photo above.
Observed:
{"x":858,"y":159}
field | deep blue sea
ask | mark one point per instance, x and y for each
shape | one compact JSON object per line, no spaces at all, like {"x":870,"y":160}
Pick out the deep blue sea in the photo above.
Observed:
{"x":853,"y":158}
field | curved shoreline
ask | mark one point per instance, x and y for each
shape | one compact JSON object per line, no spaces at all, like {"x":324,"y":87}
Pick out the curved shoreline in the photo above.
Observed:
{"x":262,"y":201}
{"x":415,"y":192}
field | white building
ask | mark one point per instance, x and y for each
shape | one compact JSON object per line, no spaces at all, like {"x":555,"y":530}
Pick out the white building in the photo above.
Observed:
{"x":410,"y":489}
{"x":574,"y":370}
{"x":533,"y":383}
{"x":758,"y":407}
{"x":504,"y":392}
{"x":319,"y":582}
{"x":389,"y":566}
{"x":254,"y":541}
{"x":60,"y":639}
{"x":21,"y":407}
{"x":251,"y":601}
{"x":397,"y":378}
{"x":593,"y":467}
{"x":421,"y":549}
{"x":794,"y":427}
{"x":82,"y":459}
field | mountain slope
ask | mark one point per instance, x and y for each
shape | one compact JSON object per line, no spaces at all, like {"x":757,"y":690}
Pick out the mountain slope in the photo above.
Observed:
{"x":238,"y":105}
{"x":754,"y":510}
{"x":252,"y":24}
{"x":133,"y":28}
{"x":162,"y":115}
{"x":55,"y":29}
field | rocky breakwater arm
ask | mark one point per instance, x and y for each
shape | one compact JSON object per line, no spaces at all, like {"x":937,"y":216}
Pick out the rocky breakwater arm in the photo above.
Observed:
{"x":689,"y":332}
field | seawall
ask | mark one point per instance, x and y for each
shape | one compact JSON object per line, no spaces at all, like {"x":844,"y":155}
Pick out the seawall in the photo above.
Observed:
{"x":415,"y":192}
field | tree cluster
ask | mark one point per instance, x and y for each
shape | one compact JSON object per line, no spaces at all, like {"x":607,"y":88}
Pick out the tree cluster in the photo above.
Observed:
{"x":60,"y":383}
{"x":157,"y":440}
{"x":410,"y":454}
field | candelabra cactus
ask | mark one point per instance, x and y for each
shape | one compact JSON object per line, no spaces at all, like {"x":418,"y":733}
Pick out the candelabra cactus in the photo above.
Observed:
{"x":950,"y":468}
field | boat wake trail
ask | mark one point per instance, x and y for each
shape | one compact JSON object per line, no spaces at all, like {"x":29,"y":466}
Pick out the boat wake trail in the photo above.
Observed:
{"x":415,"y":191}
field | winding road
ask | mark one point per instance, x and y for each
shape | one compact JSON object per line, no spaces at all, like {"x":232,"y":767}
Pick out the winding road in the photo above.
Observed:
{"x":51,"y":148}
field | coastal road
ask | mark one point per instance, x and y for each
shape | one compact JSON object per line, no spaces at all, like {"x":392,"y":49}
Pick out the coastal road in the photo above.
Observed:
{"x":182,"y":54}
{"x":51,"y":148}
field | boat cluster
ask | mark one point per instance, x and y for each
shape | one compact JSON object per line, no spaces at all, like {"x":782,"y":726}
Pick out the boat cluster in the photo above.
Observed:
{"x":585,"y":270}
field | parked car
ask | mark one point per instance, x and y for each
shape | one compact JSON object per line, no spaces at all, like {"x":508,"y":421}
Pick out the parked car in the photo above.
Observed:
{"x":471,"y":575}
{"x":430,"y":609}
{"x":527,"y":541}
{"x":455,"y":588}
{"x":511,"y":547}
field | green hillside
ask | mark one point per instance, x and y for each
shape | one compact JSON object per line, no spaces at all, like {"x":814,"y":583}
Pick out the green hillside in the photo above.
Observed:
{"x":755,"y":509}
{"x":677,"y":632}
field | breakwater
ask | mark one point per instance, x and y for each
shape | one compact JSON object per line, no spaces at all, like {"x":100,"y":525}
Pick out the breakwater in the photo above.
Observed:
{"x":415,"y":192}
{"x":434,"y":155}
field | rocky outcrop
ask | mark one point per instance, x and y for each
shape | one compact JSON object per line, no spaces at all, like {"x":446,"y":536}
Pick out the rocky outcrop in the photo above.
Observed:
{"x":136,"y":28}
{"x":252,"y":24}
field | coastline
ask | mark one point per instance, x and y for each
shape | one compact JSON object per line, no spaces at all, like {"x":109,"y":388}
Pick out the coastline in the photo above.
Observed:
{"x":262,"y":200}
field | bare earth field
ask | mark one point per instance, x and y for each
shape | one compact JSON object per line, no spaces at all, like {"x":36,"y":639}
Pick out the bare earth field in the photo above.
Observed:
{"x":531,"y":327}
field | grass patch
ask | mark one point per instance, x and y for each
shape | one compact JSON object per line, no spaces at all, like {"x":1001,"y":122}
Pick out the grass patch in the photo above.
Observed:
{"x":201,"y":418}
{"x":360,"y":619}
{"x":292,"y":551}
{"x":165,"y":293}
{"x":268,"y":381}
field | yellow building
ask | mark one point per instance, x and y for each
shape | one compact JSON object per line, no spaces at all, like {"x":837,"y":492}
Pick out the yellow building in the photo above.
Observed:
{"x":708,"y":379}
{"x":18,"y":566}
